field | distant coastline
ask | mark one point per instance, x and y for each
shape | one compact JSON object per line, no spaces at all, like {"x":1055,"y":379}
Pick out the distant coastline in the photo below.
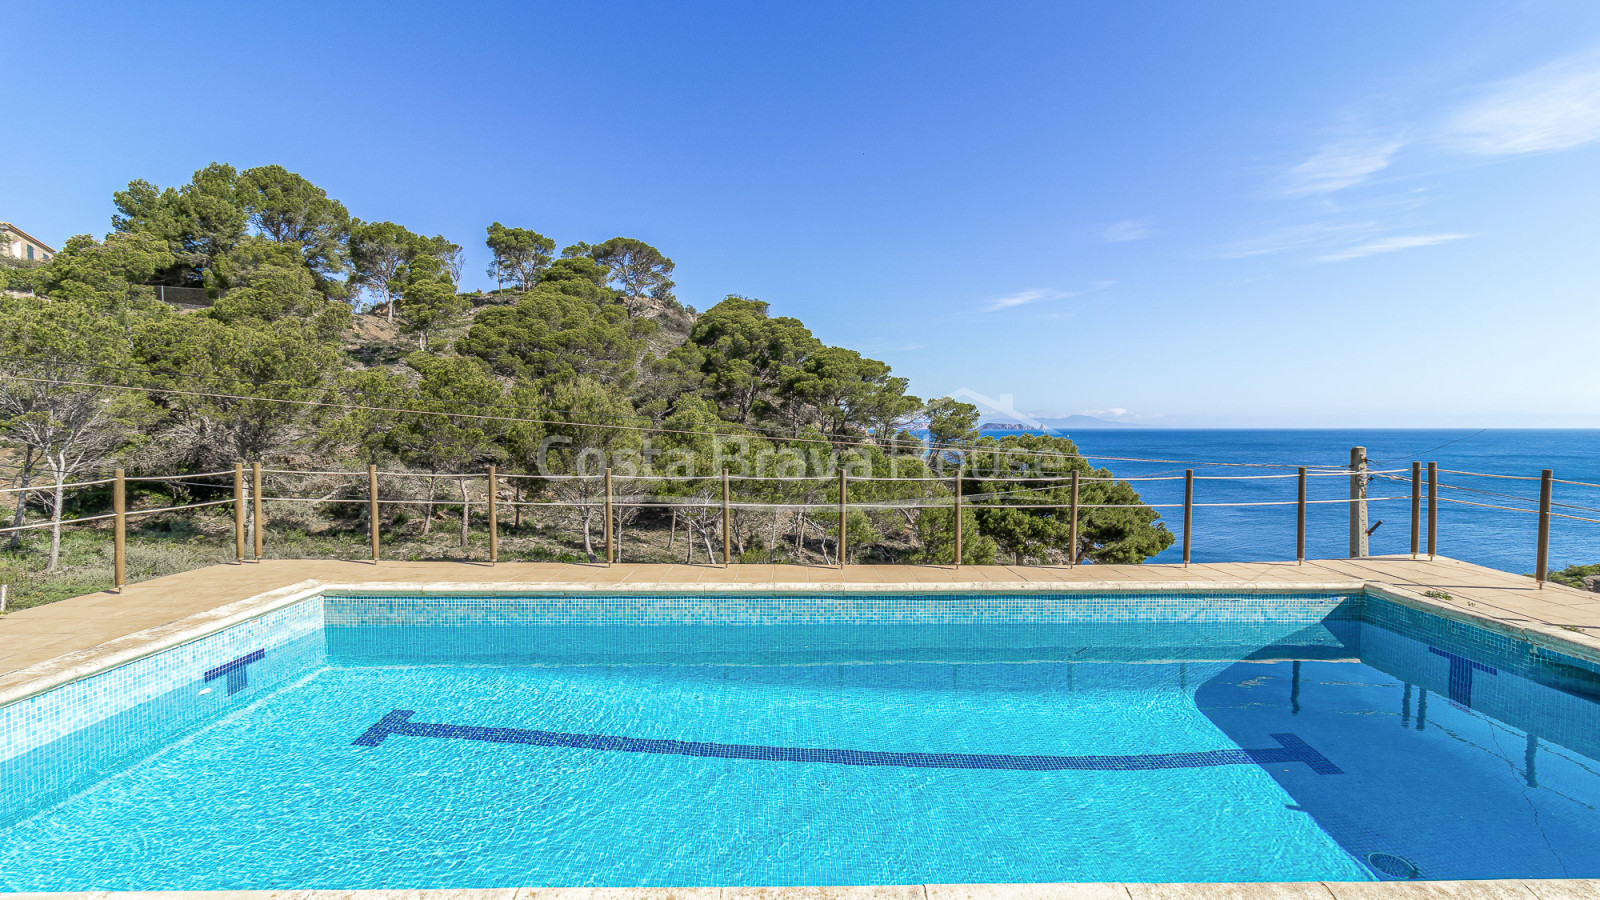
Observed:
{"x":1051,"y":426}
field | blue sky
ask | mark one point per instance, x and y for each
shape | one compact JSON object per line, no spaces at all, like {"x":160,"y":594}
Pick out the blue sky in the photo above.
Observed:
{"x":1228,"y":213}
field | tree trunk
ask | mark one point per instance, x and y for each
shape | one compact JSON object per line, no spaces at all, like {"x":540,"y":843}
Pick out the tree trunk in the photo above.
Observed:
{"x":711,"y":558}
{"x":516,"y":510}
{"x":427,"y":517}
{"x":249,"y":518}
{"x":55,"y":519}
{"x":20,"y":518}
{"x":466,"y":510}
{"x":672,"y":533}
{"x":588,"y":542}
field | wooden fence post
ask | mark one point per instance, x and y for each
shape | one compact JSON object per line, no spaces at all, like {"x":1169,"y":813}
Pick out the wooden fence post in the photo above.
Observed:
{"x":1358,"y":503}
{"x":256,"y":515}
{"x":609,"y":557}
{"x":1300,"y":521}
{"x":843,"y":488}
{"x":1072,"y":539}
{"x":1545,"y":485}
{"x":372,"y":509}
{"x":727,"y":522}
{"x":494,"y":520}
{"x":958,"y":517}
{"x":238,"y":513}
{"x":1188,"y":512}
{"x":1433,"y":509}
{"x":119,"y":531}
{"x":1416,"y":507}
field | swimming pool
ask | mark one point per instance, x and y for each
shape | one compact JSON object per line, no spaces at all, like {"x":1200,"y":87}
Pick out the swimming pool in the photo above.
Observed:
{"x":358,"y":740}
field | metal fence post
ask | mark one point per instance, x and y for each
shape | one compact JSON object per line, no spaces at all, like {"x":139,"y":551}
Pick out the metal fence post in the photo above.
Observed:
{"x":256,"y":515}
{"x":1433,"y":509}
{"x":727,"y":521}
{"x":119,"y":531}
{"x":609,"y":557}
{"x":1072,"y":533}
{"x":958,"y":518}
{"x":494,"y":520}
{"x":1188,"y":511}
{"x":1300,"y":522}
{"x":843,"y":488}
{"x":1545,"y":485}
{"x":372,"y":509}
{"x":238,"y":513}
{"x":1416,"y":507}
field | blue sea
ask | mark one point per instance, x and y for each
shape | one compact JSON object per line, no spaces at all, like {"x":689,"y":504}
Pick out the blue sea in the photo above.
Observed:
{"x":1500,"y":539}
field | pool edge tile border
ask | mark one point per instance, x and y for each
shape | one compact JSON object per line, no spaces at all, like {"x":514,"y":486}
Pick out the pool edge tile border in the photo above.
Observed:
{"x":1509,"y":889}
{"x":131,"y":648}
{"x":81,"y":664}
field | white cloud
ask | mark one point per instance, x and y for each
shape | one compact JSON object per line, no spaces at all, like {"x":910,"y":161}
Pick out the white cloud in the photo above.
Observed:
{"x":1339,"y":166}
{"x":1390,"y":245}
{"x":1553,"y":107}
{"x":1309,"y":236}
{"x":1023,"y":298}
{"x":1126,"y":230}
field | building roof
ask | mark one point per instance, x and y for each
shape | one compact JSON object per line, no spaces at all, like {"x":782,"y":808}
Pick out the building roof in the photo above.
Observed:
{"x":7,"y":226}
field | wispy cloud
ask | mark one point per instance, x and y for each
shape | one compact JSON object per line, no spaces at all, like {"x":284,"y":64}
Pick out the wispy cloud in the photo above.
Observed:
{"x":1127,"y":230}
{"x":1023,"y":298}
{"x":1390,"y":245}
{"x":1339,"y":166}
{"x":1552,"y":107}
{"x":1310,"y":236}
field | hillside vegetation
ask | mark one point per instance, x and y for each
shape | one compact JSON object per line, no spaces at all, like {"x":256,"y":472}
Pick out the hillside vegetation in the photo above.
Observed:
{"x":333,"y":343}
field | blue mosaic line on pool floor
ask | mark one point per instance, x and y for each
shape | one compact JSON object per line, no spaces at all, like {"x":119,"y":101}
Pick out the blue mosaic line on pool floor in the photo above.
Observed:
{"x":1291,"y":749}
{"x":237,"y":670}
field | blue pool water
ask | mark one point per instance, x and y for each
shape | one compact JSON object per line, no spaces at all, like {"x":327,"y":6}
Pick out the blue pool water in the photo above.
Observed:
{"x":483,"y":742}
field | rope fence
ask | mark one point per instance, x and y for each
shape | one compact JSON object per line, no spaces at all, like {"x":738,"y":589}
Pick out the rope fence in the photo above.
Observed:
{"x":810,"y":498}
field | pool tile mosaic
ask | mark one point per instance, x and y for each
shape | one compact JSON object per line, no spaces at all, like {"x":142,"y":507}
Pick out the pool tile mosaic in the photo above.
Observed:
{"x":372,"y":609}
{"x":35,"y":721}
